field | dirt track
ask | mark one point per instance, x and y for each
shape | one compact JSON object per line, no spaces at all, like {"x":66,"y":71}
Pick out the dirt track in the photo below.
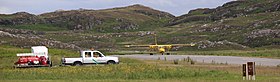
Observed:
{"x":209,"y":59}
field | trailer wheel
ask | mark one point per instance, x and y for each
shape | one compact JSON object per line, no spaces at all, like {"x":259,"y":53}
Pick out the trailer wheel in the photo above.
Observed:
{"x":77,"y":64}
{"x":50,"y":64}
{"x":111,"y":62}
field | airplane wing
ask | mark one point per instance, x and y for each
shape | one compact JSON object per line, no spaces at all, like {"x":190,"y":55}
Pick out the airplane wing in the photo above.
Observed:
{"x":154,"y":46}
{"x":136,"y":46}
{"x":183,"y":44}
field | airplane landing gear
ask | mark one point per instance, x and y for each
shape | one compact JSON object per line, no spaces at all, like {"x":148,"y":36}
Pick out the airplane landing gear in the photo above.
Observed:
{"x":167,"y":53}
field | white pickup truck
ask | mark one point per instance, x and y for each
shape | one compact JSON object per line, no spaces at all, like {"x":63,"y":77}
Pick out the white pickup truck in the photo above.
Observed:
{"x":90,"y":57}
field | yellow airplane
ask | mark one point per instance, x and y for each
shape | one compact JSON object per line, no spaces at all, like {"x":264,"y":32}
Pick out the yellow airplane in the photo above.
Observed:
{"x":160,"y":48}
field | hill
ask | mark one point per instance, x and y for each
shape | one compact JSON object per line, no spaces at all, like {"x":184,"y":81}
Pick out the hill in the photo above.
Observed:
{"x":253,"y":23}
{"x":130,"y":18}
{"x":80,"y":28}
{"x":240,"y":24}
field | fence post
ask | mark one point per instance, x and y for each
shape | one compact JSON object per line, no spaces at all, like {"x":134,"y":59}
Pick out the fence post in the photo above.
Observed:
{"x":249,"y":71}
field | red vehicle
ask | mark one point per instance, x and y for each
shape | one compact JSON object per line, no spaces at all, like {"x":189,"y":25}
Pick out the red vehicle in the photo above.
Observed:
{"x":38,"y":58}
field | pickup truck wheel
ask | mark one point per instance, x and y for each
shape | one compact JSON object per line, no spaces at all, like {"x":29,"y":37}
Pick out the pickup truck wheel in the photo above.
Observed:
{"x":111,"y":62}
{"x":77,"y":64}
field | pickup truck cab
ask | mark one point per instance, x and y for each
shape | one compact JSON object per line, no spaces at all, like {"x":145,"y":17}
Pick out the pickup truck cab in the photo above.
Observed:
{"x":90,"y":57}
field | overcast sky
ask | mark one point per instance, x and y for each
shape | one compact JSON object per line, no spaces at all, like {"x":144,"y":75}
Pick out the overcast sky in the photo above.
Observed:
{"x":175,"y":7}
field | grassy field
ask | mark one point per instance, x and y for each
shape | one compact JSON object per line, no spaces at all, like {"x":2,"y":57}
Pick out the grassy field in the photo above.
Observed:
{"x":127,"y":70}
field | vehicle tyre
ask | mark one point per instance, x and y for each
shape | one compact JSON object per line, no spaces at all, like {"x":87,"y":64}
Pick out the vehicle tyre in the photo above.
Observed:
{"x":167,"y":53}
{"x":29,"y":63}
{"x":77,"y":64}
{"x":111,"y":62}
{"x":151,"y":54}
{"x":50,"y":63}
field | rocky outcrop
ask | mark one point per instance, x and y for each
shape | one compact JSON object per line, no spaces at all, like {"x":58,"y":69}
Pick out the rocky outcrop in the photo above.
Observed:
{"x":264,"y":33}
{"x":263,"y":37}
{"x":25,"y":38}
{"x":21,"y":31}
{"x":126,"y":26}
{"x":245,"y":7}
{"x":216,"y":44}
{"x":74,"y":20}
{"x":114,"y":19}
{"x":19,"y":19}
{"x":229,"y":10}
{"x":87,"y":19}
{"x":150,"y":12}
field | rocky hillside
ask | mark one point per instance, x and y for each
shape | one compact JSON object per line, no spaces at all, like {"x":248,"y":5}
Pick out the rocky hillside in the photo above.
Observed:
{"x":253,"y":23}
{"x":232,"y":9}
{"x":130,"y":18}
{"x":238,"y":24}
{"x":80,"y":28}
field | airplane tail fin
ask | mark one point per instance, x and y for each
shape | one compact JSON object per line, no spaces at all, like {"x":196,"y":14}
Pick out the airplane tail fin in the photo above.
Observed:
{"x":155,"y":39}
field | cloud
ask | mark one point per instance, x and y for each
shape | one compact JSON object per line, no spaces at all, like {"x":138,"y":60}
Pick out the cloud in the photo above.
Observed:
{"x":4,"y":10}
{"x":169,"y":3}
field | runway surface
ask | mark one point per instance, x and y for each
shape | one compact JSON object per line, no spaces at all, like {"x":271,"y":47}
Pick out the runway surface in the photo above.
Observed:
{"x":209,"y":59}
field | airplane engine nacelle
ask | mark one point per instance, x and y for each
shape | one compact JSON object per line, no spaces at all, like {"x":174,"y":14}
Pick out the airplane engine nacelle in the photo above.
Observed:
{"x":152,"y":47}
{"x":161,"y":50}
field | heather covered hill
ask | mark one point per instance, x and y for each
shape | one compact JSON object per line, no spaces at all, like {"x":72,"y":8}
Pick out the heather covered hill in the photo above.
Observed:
{"x":229,"y":10}
{"x":130,"y":18}
{"x":253,"y":23}
{"x":240,"y":24}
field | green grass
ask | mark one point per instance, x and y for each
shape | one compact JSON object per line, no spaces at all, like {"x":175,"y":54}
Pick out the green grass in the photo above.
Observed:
{"x":7,"y":16}
{"x":121,"y":71}
{"x":127,"y":70}
{"x":37,"y":27}
{"x":148,"y":80}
